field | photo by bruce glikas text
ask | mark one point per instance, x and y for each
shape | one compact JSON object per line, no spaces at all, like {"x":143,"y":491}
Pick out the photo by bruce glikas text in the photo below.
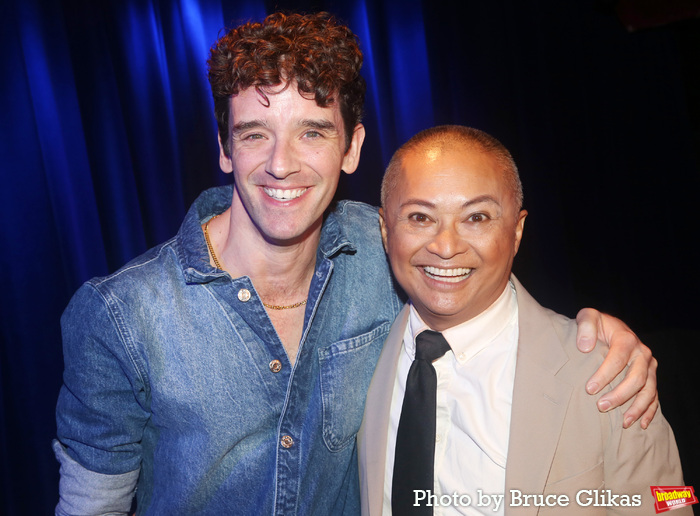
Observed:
{"x":516,"y":498}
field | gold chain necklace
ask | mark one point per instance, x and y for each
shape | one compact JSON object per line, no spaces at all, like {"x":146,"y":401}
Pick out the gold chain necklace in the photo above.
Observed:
{"x":284,"y":307}
{"x":218,"y":266}
{"x":211,"y":247}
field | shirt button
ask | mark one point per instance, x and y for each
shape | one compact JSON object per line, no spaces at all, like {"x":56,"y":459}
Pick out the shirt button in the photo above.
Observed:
{"x":244,"y":295}
{"x":462,"y":356}
{"x":287,"y":441}
{"x":438,"y":438}
{"x":275,"y":366}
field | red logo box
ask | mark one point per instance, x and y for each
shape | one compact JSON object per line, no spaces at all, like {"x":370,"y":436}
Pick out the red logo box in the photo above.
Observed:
{"x":667,"y":498}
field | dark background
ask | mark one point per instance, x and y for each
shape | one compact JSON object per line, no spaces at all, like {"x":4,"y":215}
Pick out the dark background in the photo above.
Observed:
{"x":107,"y":135}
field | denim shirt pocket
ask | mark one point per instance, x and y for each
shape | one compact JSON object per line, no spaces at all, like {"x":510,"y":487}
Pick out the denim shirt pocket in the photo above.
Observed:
{"x":346,"y":368}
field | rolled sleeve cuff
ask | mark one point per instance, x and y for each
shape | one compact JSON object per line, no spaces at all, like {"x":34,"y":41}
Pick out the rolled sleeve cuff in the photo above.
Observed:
{"x":85,"y":492}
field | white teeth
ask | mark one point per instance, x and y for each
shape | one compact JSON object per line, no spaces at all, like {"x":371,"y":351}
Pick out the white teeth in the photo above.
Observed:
{"x":284,"y":195}
{"x":448,"y":275}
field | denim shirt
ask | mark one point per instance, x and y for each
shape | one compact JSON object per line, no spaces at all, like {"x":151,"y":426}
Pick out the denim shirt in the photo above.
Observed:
{"x":170,"y":379}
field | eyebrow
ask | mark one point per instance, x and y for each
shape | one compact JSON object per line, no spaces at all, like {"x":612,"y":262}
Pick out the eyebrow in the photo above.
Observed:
{"x":320,"y":124}
{"x":244,"y":126}
{"x":470,"y":202}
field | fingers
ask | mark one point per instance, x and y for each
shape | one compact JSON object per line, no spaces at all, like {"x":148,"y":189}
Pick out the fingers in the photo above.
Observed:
{"x":633,"y":383}
{"x":625,"y":350}
{"x":646,"y":403}
{"x":650,"y":412}
{"x":622,"y":346}
{"x":588,"y":321}
{"x":640,"y":380}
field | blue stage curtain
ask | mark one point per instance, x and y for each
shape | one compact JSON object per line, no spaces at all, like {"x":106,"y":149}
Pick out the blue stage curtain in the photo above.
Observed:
{"x":107,"y":136}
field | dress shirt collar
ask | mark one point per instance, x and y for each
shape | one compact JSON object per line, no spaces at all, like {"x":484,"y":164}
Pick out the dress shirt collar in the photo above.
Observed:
{"x":470,"y":337}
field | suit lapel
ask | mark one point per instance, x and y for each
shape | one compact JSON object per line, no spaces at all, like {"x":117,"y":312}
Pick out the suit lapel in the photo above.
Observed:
{"x":372,"y":437}
{"x":540,"y":401}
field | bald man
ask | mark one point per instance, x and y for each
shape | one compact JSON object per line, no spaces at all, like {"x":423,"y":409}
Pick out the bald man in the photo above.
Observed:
{"x":511,"y":427}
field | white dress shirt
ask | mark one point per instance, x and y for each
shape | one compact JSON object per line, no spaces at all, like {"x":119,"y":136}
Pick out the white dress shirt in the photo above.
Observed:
{"x":474,"y":399}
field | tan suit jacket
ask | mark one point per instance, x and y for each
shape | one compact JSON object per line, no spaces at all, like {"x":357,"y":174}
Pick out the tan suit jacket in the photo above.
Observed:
{"x":559,"y":442}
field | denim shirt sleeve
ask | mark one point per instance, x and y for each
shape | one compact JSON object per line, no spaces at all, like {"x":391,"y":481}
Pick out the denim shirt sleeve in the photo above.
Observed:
{"x":85,"y":492}
{"x":101,"y":409}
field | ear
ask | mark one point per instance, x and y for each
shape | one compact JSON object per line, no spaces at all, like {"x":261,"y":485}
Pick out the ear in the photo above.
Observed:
{"x":352,"y":157}
{"x":519,"y":227}
{"x":224,"y":161}
{"x":382,"y":227}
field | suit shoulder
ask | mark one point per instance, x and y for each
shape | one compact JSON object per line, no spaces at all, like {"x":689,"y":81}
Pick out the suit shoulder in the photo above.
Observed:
{"x":544,"y":325}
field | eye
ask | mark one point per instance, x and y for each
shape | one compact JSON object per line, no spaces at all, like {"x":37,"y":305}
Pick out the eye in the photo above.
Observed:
{"x":478,"y":217}
{"x":312,"y":134}
{"x":253,"y":136}
{"x":421,"y":218}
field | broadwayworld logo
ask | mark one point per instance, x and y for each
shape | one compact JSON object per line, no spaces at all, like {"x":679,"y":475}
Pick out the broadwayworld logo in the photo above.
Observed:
{"x":672,"y":497}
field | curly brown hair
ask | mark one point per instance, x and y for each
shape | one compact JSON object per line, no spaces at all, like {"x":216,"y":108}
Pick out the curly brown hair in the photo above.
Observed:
{"x":314,"y":50}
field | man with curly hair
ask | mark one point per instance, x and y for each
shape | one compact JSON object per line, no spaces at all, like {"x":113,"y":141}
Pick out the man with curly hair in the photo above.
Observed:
{"x":225,"y":371}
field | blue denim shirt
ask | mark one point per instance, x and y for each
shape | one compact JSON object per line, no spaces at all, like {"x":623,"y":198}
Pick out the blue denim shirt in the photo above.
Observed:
{"x":168,"y":379}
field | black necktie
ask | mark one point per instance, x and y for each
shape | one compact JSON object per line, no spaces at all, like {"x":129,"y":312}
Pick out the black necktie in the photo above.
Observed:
{"x":415,"y":439}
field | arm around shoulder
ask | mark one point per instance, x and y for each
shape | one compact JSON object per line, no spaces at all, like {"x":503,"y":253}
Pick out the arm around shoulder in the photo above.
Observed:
{"x":626,"y":349}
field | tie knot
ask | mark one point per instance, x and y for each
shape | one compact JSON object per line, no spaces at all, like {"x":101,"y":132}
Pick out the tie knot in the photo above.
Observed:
{"x":430,"y":345}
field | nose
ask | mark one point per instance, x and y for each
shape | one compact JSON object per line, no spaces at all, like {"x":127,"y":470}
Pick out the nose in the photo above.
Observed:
{"x":282,"y":160}
{"x":447,"y":242}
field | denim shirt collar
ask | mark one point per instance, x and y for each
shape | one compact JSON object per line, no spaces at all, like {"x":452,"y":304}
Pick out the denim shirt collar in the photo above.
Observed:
{"x":191,"y":246}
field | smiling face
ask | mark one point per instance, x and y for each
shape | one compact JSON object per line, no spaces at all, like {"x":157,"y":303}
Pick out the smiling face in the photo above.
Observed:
{"x":286,"y":159}
{"x":451,"y":228}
